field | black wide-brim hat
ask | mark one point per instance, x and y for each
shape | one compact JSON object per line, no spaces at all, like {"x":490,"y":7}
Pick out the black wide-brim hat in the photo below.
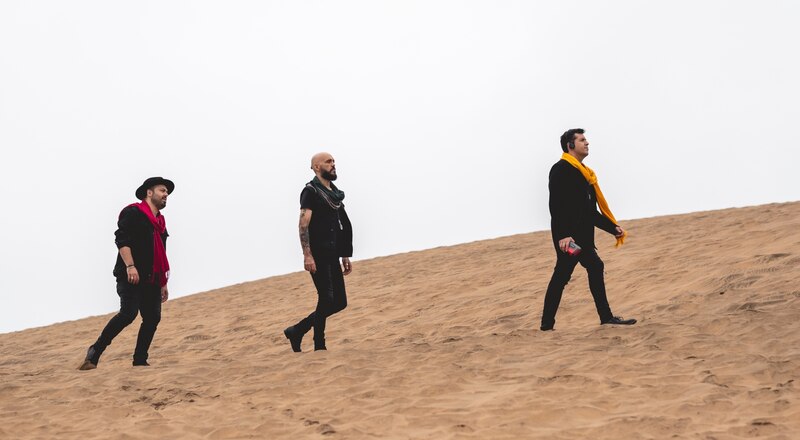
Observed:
{"x":141,"y":192}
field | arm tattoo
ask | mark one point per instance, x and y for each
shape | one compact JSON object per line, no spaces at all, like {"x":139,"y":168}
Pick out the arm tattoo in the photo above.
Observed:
{"x":305,"y":241}
{"x":305,"y":238}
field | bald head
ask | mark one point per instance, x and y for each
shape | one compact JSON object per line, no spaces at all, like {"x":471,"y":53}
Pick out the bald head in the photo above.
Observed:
{"x":319,"y":158}
{"x":324,"y":166}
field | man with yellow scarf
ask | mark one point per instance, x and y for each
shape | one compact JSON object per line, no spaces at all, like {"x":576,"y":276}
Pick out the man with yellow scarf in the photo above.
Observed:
{"x":574,"y":197}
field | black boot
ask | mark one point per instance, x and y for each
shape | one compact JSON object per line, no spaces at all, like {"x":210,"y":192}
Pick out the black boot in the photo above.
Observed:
{"x":295,"y":338}
{"x":91,"y":360}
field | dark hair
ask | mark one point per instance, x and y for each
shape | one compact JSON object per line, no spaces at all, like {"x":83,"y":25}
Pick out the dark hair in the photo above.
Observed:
{"x":569,"y":137}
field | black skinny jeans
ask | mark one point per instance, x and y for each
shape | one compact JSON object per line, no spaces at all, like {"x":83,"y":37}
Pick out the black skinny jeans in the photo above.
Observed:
{"x":562,"y":273}
{"x":134,"y":299}
{"x":331,"y":297}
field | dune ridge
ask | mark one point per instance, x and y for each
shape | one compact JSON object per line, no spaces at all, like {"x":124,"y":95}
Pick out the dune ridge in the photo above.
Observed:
{"x":444,"y":344}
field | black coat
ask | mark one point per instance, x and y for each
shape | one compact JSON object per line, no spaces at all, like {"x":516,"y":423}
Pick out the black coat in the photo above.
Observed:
{"x":135,"y":231}
{"x":573,"y":207}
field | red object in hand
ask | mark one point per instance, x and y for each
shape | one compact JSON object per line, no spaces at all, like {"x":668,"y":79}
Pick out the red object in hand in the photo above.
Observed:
{"x":573,"y":249}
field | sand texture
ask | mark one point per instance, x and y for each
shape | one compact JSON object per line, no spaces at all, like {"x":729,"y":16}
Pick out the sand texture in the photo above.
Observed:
{"x":444,"y":344}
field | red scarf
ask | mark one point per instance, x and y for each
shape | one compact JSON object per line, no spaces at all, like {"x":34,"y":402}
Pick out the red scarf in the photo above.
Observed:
{"x":160,"y":263}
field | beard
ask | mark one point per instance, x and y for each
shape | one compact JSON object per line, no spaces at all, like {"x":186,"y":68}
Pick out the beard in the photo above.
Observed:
{"x":328,"y":175}
{"x":160,"y":204}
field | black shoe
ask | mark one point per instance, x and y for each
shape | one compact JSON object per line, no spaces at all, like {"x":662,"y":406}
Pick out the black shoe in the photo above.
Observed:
{"x":90,"y":362}
{"x":293,"y":338}
{"x":546,"y":329}
{"x":619,"y":321}
{"x":140,"y":364}
{"x":320,"y":347}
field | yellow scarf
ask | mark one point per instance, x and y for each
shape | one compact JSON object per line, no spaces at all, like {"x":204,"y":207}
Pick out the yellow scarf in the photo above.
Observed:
{"x":591,"y":177}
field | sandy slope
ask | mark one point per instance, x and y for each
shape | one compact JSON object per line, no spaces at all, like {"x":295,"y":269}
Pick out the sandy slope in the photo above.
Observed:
{"x":445,"y":344}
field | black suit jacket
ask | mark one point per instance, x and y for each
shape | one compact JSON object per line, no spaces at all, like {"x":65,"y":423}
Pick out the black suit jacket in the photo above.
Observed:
{"x":573,"y":207}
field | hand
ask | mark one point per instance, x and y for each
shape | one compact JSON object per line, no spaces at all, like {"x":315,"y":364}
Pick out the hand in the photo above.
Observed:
{"x":133,"y":275}
{"x":310,"y":265}
{"x":563,"y":244}
{"x":164,"y":294}
{"x":347,"y":266}
{"x":620,"y":232}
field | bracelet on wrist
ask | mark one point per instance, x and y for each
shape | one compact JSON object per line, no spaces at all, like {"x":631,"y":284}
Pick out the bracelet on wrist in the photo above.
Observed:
{"x":129,"y":266}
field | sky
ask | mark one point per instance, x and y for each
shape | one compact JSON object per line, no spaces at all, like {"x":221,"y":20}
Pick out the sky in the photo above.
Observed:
{"x":443,"y":117}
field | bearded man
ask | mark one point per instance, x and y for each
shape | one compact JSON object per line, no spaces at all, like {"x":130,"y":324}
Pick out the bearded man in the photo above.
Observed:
{"x":326,"y":235}
{"x":142,"y":271}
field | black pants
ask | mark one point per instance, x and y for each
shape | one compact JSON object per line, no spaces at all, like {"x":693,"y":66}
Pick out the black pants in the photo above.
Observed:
{"x":561,"y":275}
{"x":331,"y":297}
{"x":133,"y":299}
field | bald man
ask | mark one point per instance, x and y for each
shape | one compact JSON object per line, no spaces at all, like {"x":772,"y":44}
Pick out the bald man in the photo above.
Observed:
{"x":325,"y":236}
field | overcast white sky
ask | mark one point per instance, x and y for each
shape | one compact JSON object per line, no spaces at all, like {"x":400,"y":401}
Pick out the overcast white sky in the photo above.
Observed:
{"x":443,"y":116}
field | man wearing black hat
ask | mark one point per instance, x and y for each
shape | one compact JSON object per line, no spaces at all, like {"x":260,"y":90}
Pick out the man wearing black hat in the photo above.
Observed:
{"x":325,"y":236}
{"x":142,"y":270}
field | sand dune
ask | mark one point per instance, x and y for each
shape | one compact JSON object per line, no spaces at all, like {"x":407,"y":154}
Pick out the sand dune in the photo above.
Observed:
{"x":444,"y":344}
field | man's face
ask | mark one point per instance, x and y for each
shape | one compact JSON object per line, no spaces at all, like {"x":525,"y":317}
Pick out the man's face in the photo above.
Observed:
{"x":327,"y":167}
{"x":158,"y":196}
{"x":581,"y":146}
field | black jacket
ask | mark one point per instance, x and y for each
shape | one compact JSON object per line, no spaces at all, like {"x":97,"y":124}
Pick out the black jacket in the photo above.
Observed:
{"x":327,"y":237}
{"x":573,"y":207}
{"x":135,"y":231}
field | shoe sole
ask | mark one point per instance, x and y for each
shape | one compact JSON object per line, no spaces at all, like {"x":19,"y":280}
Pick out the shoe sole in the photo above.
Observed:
{"x":87,"y":365}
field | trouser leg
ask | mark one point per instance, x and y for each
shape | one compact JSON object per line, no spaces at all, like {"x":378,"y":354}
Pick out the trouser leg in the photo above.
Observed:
{"x":331,"y":296}
{"x":595,"y":269}
{"x":150,"y":308}
{"x":323,"y":281}
{"x":305,"y":324}
{"x":562,"y":273}
{"x":339,"y":292}
{"x":129,"y":307}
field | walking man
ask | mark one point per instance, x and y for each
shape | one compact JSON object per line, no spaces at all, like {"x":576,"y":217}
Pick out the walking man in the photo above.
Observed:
{"x":574,"y":195}
{"x":142,"y":270}
{"x":325,"y":235}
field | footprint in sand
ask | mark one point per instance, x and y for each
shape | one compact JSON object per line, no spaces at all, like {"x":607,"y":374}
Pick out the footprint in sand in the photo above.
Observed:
{"x":243,"y":328}
{"x":736,"y":281}
{"x":771,"y":257}
{"x":326,"y":429}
